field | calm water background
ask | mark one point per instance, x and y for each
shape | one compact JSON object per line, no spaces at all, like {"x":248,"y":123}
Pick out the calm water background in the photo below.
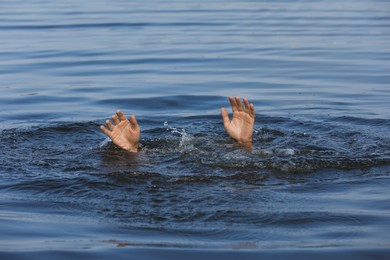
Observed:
{"x":316,"y":184}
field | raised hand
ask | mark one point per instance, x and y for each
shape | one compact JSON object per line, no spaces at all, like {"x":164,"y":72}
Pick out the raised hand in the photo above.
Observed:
{"x":123,"y":133}
{"x":240,"y":128}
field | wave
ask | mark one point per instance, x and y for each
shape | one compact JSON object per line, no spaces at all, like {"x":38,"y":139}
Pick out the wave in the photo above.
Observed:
{"x":188,"y":146}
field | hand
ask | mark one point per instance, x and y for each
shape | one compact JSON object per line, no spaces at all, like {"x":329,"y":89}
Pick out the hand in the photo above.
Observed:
{"x":240,"y":128}
{"x":123,"y":133}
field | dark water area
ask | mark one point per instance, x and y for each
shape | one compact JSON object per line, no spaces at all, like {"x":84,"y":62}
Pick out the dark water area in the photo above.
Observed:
{"x":315,"y":185}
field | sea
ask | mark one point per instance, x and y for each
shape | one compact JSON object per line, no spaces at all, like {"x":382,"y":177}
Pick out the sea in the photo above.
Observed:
{"x":315,"y":185}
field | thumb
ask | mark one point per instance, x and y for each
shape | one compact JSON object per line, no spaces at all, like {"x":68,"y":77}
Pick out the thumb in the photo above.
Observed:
{"x":225,"y":117}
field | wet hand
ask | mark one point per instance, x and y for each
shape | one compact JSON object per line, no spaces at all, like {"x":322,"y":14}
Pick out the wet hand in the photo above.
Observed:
{"x":123,"y":132}
{"x":240,"y":128}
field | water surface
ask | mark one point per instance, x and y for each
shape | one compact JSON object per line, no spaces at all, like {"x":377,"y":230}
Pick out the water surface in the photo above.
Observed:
{"x":315,"y":185}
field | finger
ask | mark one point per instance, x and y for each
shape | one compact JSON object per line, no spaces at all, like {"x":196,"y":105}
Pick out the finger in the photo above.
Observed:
{"x":239,"y":104}
{"x":115,"y":119}
{"x":109,"y":125}
{"x":133,"y":122}
{"x":246,"y":105}
{"x":120,"y":115}
{"x":252,"y":110}
{"x":225,"y":117}
{"x":105,"y":130}
{"x":233,"y":104}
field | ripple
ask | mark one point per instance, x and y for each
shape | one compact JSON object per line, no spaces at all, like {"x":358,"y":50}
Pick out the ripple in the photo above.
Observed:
{"x":317,"y":177}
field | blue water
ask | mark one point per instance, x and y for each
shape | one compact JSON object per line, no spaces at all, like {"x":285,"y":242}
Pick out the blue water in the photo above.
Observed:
{"x":315,"y":185}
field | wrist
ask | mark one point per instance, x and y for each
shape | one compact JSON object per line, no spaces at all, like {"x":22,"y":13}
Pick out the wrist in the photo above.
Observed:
{"x":245,"y":143}
{"x":133,"y":148}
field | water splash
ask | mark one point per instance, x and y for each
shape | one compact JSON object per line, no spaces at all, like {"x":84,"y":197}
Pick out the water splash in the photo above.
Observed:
{"x":105,"y":142}
{"x":185,"y":143}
